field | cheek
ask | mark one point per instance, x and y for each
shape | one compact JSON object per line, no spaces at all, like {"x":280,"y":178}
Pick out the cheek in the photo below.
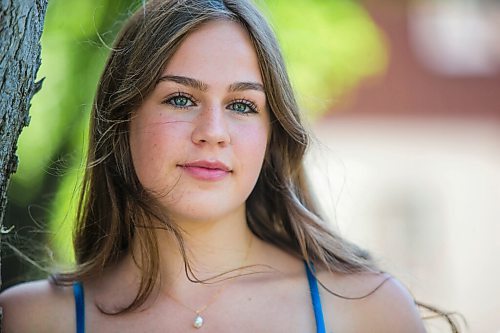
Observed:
{"x":144,"y":150}
{"x":154,"y":150}
{"x":251,"y":147}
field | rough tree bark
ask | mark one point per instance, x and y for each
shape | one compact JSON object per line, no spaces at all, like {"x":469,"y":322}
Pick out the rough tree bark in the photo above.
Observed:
{"x":21,"y":25}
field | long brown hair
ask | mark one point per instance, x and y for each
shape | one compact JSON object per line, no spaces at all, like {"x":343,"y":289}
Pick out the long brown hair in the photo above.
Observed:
{"x":114,"y":208}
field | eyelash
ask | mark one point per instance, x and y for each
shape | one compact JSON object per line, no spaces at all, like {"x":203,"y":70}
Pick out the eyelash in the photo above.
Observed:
{"x":246,"y":102}
{"x":250,"y":104}
{"x":169,"y":100}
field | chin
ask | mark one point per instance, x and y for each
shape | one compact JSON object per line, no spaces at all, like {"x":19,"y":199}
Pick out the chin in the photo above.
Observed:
{"x":207,"y":213}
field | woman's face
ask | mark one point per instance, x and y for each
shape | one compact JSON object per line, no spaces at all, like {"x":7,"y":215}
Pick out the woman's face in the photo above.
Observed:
{"x":198,"y":140}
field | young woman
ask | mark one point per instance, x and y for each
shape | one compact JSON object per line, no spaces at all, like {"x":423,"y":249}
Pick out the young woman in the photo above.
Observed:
{"x":195,"y":212}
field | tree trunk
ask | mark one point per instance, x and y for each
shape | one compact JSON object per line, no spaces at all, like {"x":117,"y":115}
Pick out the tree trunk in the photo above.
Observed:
{"x":21,"y":25}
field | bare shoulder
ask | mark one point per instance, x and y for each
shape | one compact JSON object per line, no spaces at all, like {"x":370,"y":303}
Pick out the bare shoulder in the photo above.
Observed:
{"x":382,"y":302}
{"x":37,"y":306}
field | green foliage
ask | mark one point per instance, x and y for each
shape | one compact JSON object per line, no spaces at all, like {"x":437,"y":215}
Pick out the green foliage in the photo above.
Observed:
{"x":329,"y":46}
{"x":51,"y":149}
{"x":72,"y":57}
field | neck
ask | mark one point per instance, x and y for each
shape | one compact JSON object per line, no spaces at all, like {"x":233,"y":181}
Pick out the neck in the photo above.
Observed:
{"x":211,"y":247}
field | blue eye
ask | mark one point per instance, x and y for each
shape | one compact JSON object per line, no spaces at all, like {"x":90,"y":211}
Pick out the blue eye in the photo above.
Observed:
{"x":180,"y":100}
{"x":243,"y":106}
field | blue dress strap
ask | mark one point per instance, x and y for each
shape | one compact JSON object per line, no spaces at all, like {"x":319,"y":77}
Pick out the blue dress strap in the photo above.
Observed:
{"x":316,"y":300}
{"x":79,"y":307}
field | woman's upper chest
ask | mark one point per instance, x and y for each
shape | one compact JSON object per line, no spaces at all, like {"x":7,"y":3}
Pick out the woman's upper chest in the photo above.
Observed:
{"x":282,"y":305}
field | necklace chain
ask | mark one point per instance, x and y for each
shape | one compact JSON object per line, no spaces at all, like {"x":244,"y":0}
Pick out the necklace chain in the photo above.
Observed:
{"x":198,"y":321}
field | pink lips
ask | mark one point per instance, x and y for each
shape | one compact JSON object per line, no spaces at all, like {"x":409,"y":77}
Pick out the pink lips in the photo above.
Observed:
{"x":206,"y":170}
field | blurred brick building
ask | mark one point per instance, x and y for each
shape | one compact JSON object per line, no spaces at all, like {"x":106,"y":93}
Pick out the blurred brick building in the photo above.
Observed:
{"x":413,"y":156}
{"x":444,"y":61}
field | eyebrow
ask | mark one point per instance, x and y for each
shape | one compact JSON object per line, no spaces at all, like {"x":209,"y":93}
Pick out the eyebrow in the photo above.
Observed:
{"x":240,"y":86}
{"x":199,"y":85}
{"x":185,"y":81}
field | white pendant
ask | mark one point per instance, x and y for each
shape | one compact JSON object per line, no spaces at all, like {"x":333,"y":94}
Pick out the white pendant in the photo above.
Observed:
{"x":198,"y":321}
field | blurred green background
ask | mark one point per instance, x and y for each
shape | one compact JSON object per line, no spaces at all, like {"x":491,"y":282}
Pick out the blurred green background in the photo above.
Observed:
{"x":329,"y":46}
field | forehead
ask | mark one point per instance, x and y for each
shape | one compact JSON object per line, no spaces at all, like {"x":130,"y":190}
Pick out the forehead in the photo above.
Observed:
{"x":216,"y":52}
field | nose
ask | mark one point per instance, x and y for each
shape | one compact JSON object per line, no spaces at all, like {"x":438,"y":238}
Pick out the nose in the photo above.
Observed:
{"x":211,"y":128}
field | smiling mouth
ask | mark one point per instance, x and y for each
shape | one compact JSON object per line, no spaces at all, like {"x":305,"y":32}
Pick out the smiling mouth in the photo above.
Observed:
{"x":206,"y":170}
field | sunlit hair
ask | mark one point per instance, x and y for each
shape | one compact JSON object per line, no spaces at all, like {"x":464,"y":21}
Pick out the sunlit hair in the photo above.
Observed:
{"x":114,"y":207}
